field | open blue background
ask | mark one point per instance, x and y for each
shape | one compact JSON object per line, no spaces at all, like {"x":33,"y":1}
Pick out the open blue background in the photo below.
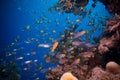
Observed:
{"x":15,"y":15}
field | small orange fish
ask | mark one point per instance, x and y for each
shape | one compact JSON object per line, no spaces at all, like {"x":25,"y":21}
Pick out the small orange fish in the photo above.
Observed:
{"x":48,"y":59}
{"x":54,"y":46}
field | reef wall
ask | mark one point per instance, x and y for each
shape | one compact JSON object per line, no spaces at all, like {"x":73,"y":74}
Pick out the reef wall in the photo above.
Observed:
{"x":100,"y":62}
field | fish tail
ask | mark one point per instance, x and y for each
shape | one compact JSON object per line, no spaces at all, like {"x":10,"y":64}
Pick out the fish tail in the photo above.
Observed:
{"x":52,"y":50}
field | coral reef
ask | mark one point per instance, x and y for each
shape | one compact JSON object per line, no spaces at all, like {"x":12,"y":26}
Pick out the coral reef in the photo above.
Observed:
{"x":98,"y":73}
{"x":75,"y":6}
{"x":100,"y":62}
{"x":89,"y":62}
{"x":110,"y":43}
{"x":109,"y":47}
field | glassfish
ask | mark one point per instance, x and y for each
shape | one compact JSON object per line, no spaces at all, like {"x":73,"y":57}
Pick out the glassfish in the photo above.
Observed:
{"x":79,"y":34}
{"x":44,"y":45}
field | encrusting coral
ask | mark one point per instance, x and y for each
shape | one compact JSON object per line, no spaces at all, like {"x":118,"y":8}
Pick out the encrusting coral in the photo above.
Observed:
{"x":68,"y":76}
{"x":113,"y":67}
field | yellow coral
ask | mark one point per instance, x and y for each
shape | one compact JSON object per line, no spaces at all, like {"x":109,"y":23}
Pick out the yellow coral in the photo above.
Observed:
{"x":68,"y":76}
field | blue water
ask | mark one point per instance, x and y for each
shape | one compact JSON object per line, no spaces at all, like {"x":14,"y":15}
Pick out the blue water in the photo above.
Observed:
{"x":15,"y":15}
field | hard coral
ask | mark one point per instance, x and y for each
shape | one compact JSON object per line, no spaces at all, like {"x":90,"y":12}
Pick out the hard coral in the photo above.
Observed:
{"x":97,"y":74}
{"x":113,"y":67}
{"x":68,"y":76}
